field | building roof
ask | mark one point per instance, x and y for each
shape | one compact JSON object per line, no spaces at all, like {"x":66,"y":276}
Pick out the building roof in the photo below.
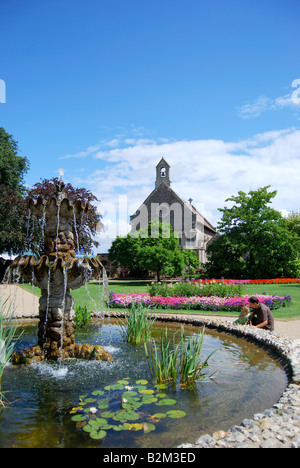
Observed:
{"x":199,"y":217}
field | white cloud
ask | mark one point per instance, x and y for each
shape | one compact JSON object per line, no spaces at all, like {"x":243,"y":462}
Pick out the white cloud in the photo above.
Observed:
{"x":264,"y":103}
{"x":208,"y":171}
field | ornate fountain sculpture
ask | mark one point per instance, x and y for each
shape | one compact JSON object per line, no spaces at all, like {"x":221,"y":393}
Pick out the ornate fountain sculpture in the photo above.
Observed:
{"x":55,"y":273}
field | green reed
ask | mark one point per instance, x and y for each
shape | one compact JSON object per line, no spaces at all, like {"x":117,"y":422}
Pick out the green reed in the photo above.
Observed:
{"x":163,"y":359}
{"x":8,"y":327}
{"x":137,"y":327}
{"x":169,"y":360}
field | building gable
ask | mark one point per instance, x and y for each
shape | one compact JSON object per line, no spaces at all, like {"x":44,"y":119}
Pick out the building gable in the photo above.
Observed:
{"x":193,"y":230}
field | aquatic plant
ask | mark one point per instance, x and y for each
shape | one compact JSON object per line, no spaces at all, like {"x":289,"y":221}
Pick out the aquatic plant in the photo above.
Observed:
{"x":8,"y":327}
{"x":191,"y":367}
{"x":169,"y":360}
{"x":163,"y":359}
{"x":137,"y":327}
{"x":123,"y":407}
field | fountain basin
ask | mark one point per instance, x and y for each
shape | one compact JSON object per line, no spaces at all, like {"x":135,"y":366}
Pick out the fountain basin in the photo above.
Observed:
{"x":56,"y":272}
{"x":248,"y":380}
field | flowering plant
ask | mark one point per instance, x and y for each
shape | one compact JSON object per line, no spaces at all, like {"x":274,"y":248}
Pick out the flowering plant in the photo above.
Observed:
{"x":211,"y":303}
{"x":250,"y":281}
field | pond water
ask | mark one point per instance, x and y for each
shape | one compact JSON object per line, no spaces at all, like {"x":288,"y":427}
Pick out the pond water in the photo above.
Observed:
{"x":246,"y":380}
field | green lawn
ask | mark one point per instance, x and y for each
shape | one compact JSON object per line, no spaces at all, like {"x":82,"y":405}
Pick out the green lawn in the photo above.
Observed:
{"x":89,"y":296}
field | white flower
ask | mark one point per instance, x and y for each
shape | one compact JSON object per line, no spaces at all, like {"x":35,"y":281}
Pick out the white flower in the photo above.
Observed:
{"x":124,"y":400}
{"x":93,"y":410}
{"x":127,"y":387}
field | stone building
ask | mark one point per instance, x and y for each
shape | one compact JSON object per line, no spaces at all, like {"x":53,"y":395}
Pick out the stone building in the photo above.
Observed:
{"x":193,"y":230}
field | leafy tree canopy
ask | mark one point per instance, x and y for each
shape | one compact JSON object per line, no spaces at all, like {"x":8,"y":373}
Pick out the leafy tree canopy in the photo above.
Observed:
{"x":255,"y":240}
{"x":12,"y":191}
{"x":12,"y":166}
{"x":86,"y":225}
{"x":293,"y":225}
{"x":153,"y":248}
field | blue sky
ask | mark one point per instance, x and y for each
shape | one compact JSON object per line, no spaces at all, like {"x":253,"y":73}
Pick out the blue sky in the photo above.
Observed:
{"x":104,"y":89}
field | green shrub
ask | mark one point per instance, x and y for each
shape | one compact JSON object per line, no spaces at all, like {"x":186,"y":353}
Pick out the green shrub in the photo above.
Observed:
{"x":82,"y":317}
{"x":191,"y":289}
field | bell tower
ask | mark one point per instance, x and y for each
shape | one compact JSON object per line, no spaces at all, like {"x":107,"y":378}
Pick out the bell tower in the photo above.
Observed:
{"x":162,"y":173}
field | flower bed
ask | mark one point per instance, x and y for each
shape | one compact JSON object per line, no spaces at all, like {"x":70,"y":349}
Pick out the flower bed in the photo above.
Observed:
{"x":212,"y":303}
{"x":251,"y":281}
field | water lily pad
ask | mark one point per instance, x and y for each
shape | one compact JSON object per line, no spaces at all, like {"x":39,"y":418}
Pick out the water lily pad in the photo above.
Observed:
{"x":136,"y":405}
{"x":89,"y":400}
{"x":75,"y":409}
{"x":78,"y":417}
{"x":98,"y":435}
{"x":103,"y":405}
{"x":161,"y":386}
{"x":131,"y":415}
{"x":118,"y":427}
{"x":93,"y":422}
{"x":124,"y":416}
{"x":166,"y":401}
{"x":129,"y":393}
{"x":147,"y":399}
{"x":140,"y":387}
{"x":98,"y":422}
{"x":176,"y":414}
{"x":105,"y":426}
{"x":132,"y":405}
{"x":117,"y":386}
{"x":98,"y":392}
{"x":130,"y":399}
{"x":159,"y":415}
{"x":133,"y":426}
{"x":148,"y":427}
{"x":107,"y":414}
{"x":87,"y":410}
{"x":147,"y":391}
{"x":88,"y":428}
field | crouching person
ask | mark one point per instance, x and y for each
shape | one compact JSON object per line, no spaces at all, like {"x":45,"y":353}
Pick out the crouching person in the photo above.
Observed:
{"x":261,"y":316}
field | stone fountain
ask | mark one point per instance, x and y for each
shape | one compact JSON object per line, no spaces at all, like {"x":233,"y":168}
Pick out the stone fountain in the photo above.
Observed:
{"x":56,"y":272}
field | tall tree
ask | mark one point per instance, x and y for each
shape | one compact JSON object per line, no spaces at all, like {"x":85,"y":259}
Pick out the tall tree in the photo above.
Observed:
{"x":255,"y":241}
{"x":12,"y":166}
{"x":12,"y":191}
{"x":293,"y":225}
{"x":154,"y":248}
{"x":86,"y":226}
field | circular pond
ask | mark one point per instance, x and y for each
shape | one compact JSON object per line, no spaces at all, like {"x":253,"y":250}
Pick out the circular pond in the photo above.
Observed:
{"x":52,"y":402}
